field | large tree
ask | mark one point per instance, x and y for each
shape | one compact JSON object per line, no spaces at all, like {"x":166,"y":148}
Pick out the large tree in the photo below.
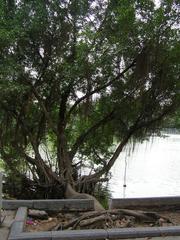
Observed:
{"x":78,"y":80}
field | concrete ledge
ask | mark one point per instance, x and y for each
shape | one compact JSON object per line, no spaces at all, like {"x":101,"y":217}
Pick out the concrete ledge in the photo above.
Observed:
{"x":144,"y":202}
{"x":64,"y":205}
{"x":32,"y":236}
{"x":51,"y":204}
{"x":17,"y":232}
{"x":170,"y":231}
{"x":80,"y":234}
{"x":17,"y":229}
{"x":123,"y":233}
{"x":15,"y":204}
{"x":99,"y":234}
{"x":18,"y":224}
{"x":21,"y":214}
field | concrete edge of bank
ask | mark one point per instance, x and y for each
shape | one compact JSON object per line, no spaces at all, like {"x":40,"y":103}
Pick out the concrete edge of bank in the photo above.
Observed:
{"x":51,"y":204}
{"x":17,"y":231}
{"x":169,"y":201}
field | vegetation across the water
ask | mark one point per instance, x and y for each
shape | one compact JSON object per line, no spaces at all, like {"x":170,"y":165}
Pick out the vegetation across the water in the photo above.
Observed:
{"x":77,"y":77}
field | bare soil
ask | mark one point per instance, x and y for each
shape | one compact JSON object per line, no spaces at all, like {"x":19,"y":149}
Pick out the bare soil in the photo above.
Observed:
{"x":106,"y":219}
{"x":7,"y":218}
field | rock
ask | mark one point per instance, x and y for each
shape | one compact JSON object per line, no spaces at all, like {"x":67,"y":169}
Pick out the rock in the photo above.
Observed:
{"x":37,"y":214}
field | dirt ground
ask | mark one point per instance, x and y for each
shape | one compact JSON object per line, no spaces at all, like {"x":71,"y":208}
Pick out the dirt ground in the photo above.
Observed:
{"x":173,"y":216}
{"x":61,"y":220}
{"x":8,"y":217}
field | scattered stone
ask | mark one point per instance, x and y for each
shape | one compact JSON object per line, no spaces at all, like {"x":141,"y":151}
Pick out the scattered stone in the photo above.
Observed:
{"x":37,"y":214}
{"x":161,"y":221}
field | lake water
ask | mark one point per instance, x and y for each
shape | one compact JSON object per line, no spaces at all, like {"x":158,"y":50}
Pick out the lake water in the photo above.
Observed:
{"x":153,"y":169}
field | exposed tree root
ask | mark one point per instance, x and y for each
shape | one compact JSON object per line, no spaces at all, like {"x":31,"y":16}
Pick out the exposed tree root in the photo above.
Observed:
{"x":111,"y":218}
{"x":70,"y":193}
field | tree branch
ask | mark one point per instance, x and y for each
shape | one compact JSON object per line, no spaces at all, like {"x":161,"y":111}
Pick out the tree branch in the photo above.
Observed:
{"x":136,"y":127}
{"x":80,"y":140}
{"x":46,"y":113}
{"x":105,"y":119}
{"x":98,"y":89}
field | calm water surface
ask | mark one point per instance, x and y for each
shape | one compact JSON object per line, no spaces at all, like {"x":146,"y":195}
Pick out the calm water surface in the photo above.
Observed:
{"x":153,"y":169}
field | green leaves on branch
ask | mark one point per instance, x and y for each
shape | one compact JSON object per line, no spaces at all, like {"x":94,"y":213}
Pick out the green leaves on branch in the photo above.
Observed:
{"x":79,"y":77}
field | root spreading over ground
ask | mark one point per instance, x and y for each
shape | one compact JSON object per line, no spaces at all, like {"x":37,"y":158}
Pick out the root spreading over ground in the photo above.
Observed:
{"x":118,"y":218}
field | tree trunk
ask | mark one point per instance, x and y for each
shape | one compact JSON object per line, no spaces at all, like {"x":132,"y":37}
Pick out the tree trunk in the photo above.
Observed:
{"x":71,"y":193}
{"x":64,"y":162}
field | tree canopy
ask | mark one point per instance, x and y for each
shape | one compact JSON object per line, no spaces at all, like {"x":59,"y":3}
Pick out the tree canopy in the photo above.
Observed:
{"x":79,"y":79}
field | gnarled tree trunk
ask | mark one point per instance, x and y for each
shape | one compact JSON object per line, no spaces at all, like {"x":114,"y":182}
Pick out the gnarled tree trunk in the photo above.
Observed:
{"x":71,"y":193}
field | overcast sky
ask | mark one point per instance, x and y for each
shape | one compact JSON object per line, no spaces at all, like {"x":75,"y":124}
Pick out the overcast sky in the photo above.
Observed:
{"x":157,"y":2}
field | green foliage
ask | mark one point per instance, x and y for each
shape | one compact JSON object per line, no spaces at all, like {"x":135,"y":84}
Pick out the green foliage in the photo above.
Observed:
{"x":103,"y":194}
{"x":173,"y":121}
{"x":54,"y":52}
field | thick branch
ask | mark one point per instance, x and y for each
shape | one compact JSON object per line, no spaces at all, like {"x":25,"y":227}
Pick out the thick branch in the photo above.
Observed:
{"x":136,"y":127}
{"x":98,"y":89}
{"x":80,"y":140}
{"x":38,"y":161}
{"x":103,"y":121}
{"x":30,"y":160}
{"x":48,"y":117}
